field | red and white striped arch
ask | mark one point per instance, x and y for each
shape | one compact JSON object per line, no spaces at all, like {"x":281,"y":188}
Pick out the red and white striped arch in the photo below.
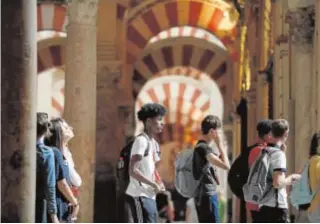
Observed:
{"x":187,"y":101}
{"x":52,"y":20}
{"x":150,"y":17}
{"x":52,"y":17}
{"x":188,"y":31}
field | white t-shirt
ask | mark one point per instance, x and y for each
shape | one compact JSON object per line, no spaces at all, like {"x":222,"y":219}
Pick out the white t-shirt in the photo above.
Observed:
{"x":146,"y":166}
{"x":75,"y":178}
{"x":278,"y":162}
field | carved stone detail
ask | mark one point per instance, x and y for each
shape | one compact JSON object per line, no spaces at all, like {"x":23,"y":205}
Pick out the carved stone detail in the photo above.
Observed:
{"x":302,"y":24}
{"x":112,"y":72}
{"x":83,"y":11}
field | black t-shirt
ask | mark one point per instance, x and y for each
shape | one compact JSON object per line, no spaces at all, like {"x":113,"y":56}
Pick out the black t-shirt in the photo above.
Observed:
{"x":208,"y":184}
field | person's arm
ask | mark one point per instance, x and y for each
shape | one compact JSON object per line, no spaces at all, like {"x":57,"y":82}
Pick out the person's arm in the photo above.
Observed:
{"x":63,"y":186}
{"x":222,"y":162}
{"x":188,"y":211}
{"x":188,"y":215}
{"x":50,"y":193}
{"x":279,"y":164}
{"x":137,"y":154}
{"x":216,"y":161}
{"x":224,"y":155}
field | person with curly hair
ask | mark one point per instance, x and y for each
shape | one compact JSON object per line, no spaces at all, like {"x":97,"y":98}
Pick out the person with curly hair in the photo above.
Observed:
{"x":145,"y":181}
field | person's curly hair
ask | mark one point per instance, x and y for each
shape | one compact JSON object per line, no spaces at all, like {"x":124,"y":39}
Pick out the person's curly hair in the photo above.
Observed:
{"x":151,"y":110}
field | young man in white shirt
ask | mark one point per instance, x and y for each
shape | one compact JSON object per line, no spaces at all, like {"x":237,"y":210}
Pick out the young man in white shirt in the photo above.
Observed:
{"x":274,"y":205}
{"x":145,"y":182}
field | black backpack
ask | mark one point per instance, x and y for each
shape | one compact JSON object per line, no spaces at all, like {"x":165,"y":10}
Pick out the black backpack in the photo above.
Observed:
{"x":239,"y":172}
{"x":123,"y":176}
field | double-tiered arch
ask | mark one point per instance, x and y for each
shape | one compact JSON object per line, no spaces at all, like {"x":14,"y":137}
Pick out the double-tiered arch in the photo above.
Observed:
{"x":151,"y":17}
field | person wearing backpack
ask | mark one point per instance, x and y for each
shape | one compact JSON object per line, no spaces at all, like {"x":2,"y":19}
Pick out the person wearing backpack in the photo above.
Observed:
{"x":273,"y":204}
{"x":314,"y":209}
{"x":145,"y":181}
{"x":305,"y":190}
{"x":264,"y":135}
{"x":206,"y":198}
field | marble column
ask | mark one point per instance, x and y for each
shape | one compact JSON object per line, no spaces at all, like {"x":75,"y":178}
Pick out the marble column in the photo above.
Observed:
{"x":18,"y":110}
{"x":300,"y":20}
{"x":80,"y":96}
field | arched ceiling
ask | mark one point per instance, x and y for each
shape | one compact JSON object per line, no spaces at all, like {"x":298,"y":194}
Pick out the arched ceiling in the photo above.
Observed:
{"x":151,"y":17}
{"x":51,"y":53}
{"x":51,"y":39}
{"x":183,"y":71}
{"x":52,"y":17}
{"x":51,"y":45}
{"x":177,"y":52}
{"x":187,"y":101}
{"x":51,"y":91}
{"x":187,"y":31}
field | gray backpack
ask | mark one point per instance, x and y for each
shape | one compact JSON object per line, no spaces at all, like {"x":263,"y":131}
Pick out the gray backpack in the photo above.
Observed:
{"x":260,"y":177}
{"x":184,"y":181}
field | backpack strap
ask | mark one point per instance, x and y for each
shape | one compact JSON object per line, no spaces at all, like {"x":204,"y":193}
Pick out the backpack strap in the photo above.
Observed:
{"x":146,"y":153}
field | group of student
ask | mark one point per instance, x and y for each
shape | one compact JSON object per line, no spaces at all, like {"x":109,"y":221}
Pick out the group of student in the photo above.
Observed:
{"x":145,"y":182}
{"x":57,"y":181}
{"x":273,"y":205}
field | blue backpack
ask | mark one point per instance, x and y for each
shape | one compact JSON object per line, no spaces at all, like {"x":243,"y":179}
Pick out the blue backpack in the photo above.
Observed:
{"x":301,"y":194}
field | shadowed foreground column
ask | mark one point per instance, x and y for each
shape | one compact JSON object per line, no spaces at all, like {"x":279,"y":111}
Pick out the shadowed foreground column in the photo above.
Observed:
{"x":18,"y":110}
{"x":80,"y":97}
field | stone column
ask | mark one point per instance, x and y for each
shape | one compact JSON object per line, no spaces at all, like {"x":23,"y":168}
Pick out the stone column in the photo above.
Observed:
{"x":80,"y":96}
{"x":252,"y":118}
{"x":18,"y":110}
{"x":316,"y":73}
{"x":282,"y":77}
{"x":112,"y":110}
{"x":264,"y":51}
{"x":301,"y":24}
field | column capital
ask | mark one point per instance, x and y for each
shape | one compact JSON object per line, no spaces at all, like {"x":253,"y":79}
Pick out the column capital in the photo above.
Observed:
{"x":83,"y":11}
{"x":302,"y":24}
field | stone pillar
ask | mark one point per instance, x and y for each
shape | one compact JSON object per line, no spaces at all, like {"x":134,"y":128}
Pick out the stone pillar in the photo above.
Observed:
{"x":301,"y":24}
{"x":264,"y":51}
{"x":80,"y":96}
{"x":112,"y":110}
{"x":252,"y":118}
{"x":316,"y":73}
{"x":282,"y":81}
{"x":18,"y":110}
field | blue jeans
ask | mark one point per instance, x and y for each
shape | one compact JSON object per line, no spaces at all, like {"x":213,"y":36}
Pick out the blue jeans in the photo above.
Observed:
{"x":207,"y":208}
